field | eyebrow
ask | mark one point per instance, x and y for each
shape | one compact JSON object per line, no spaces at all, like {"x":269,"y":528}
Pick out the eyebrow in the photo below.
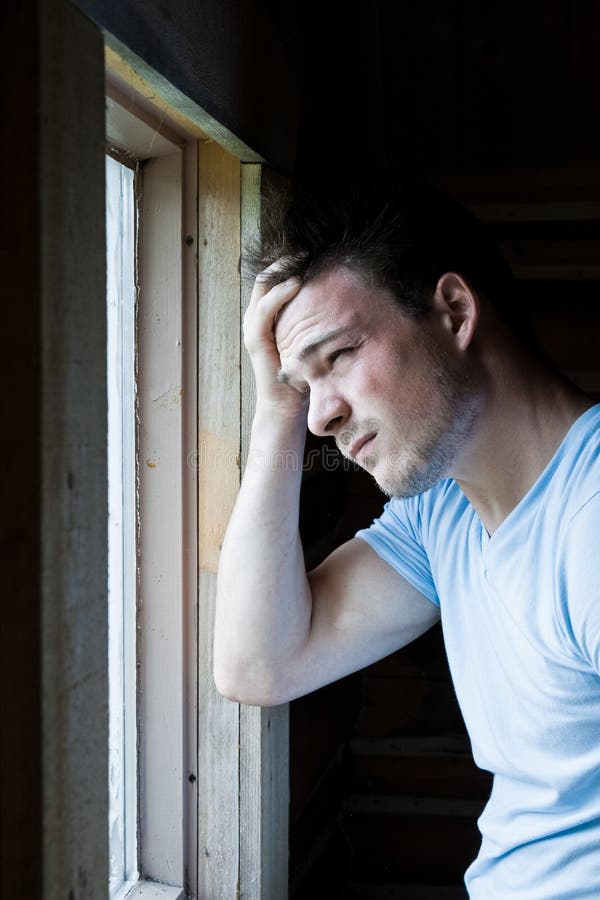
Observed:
{"x":313,"y":346}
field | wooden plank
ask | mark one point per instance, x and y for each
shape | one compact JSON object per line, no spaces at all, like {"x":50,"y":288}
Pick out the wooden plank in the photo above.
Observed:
{"x":423,"y":776}
{"x":264,"y":744}
{"x":142,"y":139}
{"x":190,"y":515}
{"x":160,"y":636}
{"x":406,"y":892}
{"x":218,"y":481}
{"x":573,"y":296}
{"x":566,"y":320}
{"x":399,"y":847}
{"x":537,"y":212}
{"x":413,"y":806}
{"x":149,"y":890}
{"x":74,"y":516}
{"x":570,"y":340}
{"x":20,"y":675}
{"x":407,"y":706}
{"x":309,"y":853}
{"x":131,"y":70}
{"x":144,"y":111}
{"x":315,"y":833}
{"x":576,"y":183}
{"x":451,"y":746}
{"x":578,"y":251}
{"x":320,"y":723}
{"x":551,"y":272}
{"x":202,"y":60}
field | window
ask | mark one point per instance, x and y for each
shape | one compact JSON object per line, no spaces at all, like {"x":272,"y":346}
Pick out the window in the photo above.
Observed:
{"x":150,"y":595}
{"x":121,"y":305}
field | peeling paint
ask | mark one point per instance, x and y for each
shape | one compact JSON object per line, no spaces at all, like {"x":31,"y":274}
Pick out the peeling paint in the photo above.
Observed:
{"x":169,"y":399}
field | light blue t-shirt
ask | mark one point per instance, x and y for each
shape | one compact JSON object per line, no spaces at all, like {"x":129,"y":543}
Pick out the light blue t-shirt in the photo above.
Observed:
{"x":521,"y":622}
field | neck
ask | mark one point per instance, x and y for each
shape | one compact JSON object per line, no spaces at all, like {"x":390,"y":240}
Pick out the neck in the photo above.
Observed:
{"x":527,"y":410}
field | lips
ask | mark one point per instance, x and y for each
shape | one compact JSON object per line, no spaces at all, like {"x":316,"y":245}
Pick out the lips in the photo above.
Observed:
{"x":361,"y":445}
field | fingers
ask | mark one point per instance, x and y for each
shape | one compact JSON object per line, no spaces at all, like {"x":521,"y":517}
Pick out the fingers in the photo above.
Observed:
{"x":268,"y":280}
{"x":269,"y":305}
{"x":260,"y":317}
{"x":265,"y":305}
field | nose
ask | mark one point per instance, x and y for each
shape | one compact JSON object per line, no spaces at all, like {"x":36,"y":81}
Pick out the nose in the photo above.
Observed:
{"x":326,"y":412}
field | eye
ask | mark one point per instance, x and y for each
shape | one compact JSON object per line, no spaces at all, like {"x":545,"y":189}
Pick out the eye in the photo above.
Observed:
{"x":337,"y":353}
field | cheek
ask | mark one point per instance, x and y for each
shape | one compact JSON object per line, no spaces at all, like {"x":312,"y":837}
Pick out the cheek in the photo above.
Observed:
{"x":370,"y":390}
{"x":386,"y":385}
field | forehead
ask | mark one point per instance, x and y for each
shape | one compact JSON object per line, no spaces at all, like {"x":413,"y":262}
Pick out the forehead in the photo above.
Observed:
{"x":338,"y":299}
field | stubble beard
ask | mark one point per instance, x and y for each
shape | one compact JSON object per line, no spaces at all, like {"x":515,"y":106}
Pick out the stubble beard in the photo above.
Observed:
{"x":421,"y":464}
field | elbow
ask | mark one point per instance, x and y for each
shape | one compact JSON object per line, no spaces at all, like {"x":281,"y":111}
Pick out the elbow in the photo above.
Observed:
{"x":240,"y":688}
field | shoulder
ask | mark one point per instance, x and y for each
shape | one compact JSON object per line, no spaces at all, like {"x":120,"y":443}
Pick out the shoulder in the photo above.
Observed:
{"x":579,"y":478}
{"x":409,"y":528}
{"x":413,"y":517}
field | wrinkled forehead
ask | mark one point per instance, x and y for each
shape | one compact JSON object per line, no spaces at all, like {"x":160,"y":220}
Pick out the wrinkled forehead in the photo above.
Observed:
{"x":338,"y":299}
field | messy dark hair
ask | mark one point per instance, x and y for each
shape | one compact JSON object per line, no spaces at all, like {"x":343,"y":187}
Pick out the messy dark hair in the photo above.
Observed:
{"x":398,"y":237}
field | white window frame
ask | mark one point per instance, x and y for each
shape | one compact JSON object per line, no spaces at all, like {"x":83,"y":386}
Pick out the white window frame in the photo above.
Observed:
{"x":166,"y":435}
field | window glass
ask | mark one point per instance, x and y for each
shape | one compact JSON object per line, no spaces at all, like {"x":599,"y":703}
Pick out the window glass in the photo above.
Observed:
{"x":121,"y":296}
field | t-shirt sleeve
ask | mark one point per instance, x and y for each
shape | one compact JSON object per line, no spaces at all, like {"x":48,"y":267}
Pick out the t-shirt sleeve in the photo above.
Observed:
{"x":395,"y":537}
{"x":579,"y":573}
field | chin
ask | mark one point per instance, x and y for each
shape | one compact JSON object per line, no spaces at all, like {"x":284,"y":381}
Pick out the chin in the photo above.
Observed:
{"x":408,"y":482}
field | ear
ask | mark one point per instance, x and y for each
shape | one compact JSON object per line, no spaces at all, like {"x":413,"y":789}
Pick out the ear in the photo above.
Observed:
{"x":458,"y":307}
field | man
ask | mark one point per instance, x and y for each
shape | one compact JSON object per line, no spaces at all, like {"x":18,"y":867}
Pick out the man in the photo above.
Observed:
{"x":391,"y":323}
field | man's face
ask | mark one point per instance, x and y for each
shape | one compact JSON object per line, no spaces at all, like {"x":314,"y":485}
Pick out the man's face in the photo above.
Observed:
{"x":392,"y":390}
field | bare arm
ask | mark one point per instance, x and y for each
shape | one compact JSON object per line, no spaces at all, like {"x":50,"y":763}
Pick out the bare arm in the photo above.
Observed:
{"x":263,"y":598}
{"x":350,"y":611}
{"x":280,"y":633}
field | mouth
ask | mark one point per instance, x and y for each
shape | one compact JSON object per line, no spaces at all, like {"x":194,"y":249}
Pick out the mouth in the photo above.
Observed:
{"x":361,"y":446}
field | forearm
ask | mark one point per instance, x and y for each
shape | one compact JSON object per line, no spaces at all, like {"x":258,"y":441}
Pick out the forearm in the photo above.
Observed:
{"x":263,"y":599}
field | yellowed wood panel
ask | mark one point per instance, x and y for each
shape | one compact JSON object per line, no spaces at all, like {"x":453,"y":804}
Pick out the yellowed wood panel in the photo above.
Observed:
{"x":219,"y":348}
{"x":218,"y":462}
{"x":218,"y":482}
{"x":129,"y":71}
{"x":118,"y":66}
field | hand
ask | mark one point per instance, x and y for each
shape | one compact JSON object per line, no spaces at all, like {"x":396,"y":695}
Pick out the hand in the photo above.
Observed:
{"x":259,"y":321}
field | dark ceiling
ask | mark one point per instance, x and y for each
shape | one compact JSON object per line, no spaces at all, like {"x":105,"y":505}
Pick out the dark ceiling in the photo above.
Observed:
{"x":432,"y":86}
{"x":452,"y":85}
